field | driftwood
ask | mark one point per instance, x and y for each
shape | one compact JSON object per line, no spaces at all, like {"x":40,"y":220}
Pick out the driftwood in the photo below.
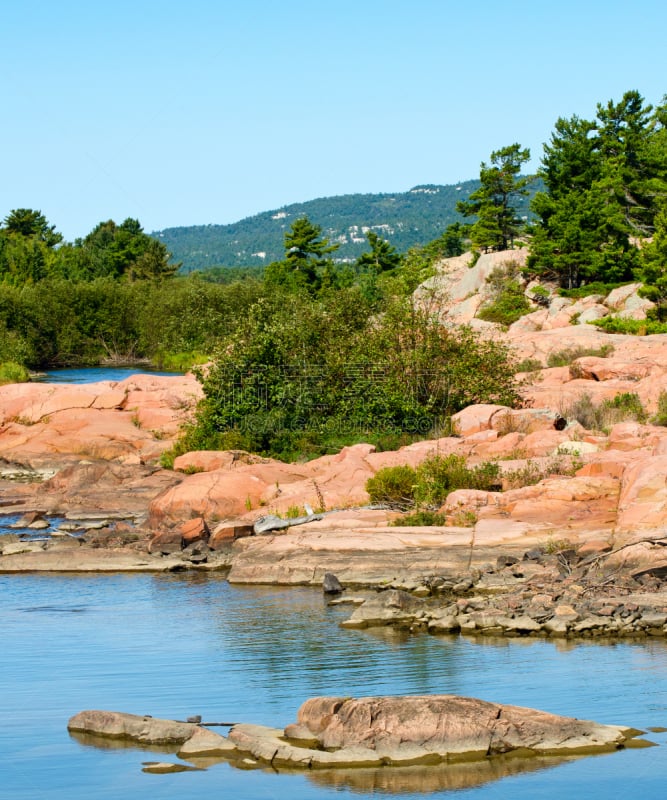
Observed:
{"x":271,"y":522}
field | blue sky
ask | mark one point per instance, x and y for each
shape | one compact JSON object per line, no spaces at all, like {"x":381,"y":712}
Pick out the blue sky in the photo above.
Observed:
{"x":184,"y":113}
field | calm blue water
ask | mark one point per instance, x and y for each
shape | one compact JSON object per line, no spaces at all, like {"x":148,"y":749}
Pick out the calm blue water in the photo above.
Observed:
{"x":174,"y":646}
{"x":94,"y":374}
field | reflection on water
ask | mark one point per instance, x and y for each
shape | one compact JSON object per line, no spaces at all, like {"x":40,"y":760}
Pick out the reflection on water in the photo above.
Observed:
{"x":177,"y":645}
{"x":440,"y":777}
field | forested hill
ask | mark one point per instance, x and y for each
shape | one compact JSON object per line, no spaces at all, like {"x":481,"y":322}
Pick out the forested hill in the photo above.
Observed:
{"x":410,"y":218}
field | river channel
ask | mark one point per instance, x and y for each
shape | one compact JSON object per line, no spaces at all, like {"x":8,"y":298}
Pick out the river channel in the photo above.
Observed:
{"x":178,"y":645}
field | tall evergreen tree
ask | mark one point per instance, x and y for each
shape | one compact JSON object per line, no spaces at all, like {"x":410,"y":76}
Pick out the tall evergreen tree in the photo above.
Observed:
{"x":497,"y":223}
{"x":306,"y":254}
{"x":603,"y":182}
{"x":382,"y":257}
{"x":27,"y":247}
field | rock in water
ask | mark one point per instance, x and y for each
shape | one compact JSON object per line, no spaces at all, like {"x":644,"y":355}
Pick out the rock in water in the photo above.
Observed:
{"x":331,"y":584}
{"x":335,"y":732}
{"x":146,"y":730}
{"x":421,"y":728}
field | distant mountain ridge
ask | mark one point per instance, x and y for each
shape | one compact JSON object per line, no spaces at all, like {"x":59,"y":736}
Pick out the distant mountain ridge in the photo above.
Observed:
{"x":405,"y":219}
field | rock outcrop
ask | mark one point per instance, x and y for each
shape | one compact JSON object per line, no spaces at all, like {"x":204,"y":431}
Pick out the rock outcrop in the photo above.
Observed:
{"x":333,"y":732}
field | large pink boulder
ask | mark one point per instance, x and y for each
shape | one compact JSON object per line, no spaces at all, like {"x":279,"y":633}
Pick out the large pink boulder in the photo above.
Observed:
{"x":447,"y":726}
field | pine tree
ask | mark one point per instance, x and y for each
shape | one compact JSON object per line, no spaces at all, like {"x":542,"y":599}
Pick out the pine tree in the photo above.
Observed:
{"x":306,"y":254}
{"x":497,"y":223}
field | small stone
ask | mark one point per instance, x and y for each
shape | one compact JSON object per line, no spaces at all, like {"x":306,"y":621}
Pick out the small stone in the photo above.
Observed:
{"x":566,"y":612}
{"x":556,"y":626}
{"x":331,"y":584}
{"x":39,"y":525}
{"x":165,"y":767}
{"x":506,"y":561}
{"x":651,"y":619}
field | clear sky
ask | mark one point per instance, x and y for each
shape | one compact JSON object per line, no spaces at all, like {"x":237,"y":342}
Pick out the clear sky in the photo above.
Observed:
{"x":185,"y":112}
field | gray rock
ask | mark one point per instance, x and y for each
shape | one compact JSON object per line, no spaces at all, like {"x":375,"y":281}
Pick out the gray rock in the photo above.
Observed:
{"x":392,"y":607}
{"x":520,"y":624}
{"x":652,"y":619}
{"x":331,"y":584}
{"x":205,"y":742}
{"x":146,"y":730}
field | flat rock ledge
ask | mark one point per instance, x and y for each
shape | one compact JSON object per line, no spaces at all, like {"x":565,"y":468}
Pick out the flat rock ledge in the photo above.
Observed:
{"x":332,"y":732}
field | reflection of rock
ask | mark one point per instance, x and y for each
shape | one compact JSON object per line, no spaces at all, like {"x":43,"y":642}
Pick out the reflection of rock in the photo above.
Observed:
{"x":338,"y":733}
{"x":434,"y":778}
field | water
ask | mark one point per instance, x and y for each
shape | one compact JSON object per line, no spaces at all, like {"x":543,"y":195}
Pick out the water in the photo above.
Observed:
{"x":175,"y":646}
{"x":8,"y":520}
{"x":95,"y":374}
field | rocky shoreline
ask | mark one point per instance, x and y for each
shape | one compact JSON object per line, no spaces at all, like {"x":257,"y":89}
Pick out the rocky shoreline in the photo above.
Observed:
{"x":571,"y":544}
{"x":395,"y":580}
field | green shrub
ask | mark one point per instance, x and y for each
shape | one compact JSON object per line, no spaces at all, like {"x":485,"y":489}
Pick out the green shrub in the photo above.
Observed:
{"x":660,"y":417}
{"x":628,"y":405}
{"x":634,"y":327}
{"x":596,"y":287}
{"x":602,"y":416}
{"x":563,"y":358}
{"x":532,"y":472}
{"x":528,"y":365}
{"x":11,"y":372}
{"x":437,"y":476}
{"x":418,"y":518}
{"x":540,"y":295}
{"x":394,"y":486}
{"x":508,"y":302}
{"x":300,"y":378}
{"x":509,"y":306}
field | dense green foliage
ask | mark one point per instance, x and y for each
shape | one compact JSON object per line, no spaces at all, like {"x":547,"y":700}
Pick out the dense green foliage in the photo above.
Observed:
{"x":495,"y":204}
{"x":393,"y":486}
{"x":606,"y":181}
{"x":31,"y":251}
{"x":382,"y":257}
{"x":407,"y":219}
{"x":633,"y":327}
{"x":60,"y":322}
{"x":303,"y":375}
